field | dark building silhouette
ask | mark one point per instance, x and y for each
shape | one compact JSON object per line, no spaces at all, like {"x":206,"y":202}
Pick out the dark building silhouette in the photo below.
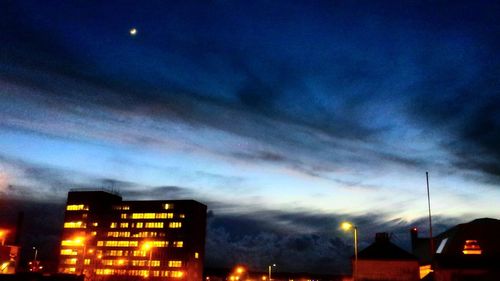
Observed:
{"x":383,"y":260}
{"x":468,"y":251}
{"x":105,"y":238}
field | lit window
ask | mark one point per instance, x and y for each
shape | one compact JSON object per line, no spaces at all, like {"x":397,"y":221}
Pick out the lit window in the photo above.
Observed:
{"x":70,"y":261}
{"x":95,"y":224}
{"x":124,"y":225}
{"x":175,"y":225}
{"x":160,"y":243}
{"x":68,"y":252}
{"x":471,"y":247}
{"x":174,"y":263}
{"x":176,"y":274}
{"x":77,"y":208}
{"x":168,"y":206}
{"x":139,"y":225}
{"x":75,"y":224}
{"x":196,"y":255}
{"x":182,"y":216}
{"x":178,"y":244}
{"x":87,"y":261}
{"x":154,"y":225}
{"x":123,"y":216}
{"x":113,"y":225}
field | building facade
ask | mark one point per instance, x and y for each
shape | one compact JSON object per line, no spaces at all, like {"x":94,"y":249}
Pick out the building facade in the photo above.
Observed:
{"x":106,"y":238}
{"x":384,"y":261}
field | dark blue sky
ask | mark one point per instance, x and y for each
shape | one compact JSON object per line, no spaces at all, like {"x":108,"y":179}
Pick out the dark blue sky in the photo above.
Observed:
{"x":271,"y":112}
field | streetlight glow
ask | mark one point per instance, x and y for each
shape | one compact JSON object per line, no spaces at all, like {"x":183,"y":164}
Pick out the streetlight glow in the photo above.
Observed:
{"x":346,"y":226}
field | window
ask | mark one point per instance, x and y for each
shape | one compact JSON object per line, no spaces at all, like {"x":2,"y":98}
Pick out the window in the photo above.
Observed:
{"x":175,"y":225}
{"x":174,"y":263}
{"x":196,"y":255}
{"x":168,"y":206}
{"x":471,"y":247}
{"x":441,"y":246}
{"x":123,"y":216}
{"x":80,"y":207}
{"x":139,"y":225}
{"x":176,"y":274}
{"x":70,"y":261}
{"x":178,"y":244}
{"x":124,"y":225}
{"x":68,"y":252}
{"x":154,"y":225}
{"x":113,"y":225}
{"x":75,"y":224}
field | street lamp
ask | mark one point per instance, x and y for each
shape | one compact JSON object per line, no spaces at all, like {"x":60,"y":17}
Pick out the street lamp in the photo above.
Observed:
{"x":3,"y":235}
{"x":148,"y":246}
{"x":346,"y":226}
{"x":270,"y":268}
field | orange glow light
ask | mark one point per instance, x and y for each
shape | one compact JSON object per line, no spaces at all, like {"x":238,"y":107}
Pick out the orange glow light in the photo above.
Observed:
{"x":147,"y":246}
{"x":471,"y":247}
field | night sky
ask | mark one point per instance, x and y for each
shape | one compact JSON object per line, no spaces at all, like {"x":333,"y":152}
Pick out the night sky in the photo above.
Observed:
{"x":284,"y":117}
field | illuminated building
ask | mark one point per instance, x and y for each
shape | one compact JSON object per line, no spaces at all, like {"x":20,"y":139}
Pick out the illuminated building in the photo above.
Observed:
{"x":106,"y":238}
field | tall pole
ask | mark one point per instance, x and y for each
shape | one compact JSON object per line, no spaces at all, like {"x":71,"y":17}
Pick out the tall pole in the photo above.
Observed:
{"x":270,"y":270}
{"x":430,"y":217}
{"x":355,"y":251}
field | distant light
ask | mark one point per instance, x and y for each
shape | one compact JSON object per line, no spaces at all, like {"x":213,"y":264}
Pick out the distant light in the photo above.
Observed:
{"x":133,"y":31}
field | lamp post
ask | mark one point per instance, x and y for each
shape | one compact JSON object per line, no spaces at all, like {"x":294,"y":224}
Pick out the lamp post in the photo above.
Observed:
{"x":348,"y":226}
{"x":35,"y":265}
{"x":270,"y":269}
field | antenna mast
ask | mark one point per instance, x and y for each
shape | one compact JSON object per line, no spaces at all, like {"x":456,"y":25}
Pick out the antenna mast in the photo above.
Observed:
{"x":430,"y":217}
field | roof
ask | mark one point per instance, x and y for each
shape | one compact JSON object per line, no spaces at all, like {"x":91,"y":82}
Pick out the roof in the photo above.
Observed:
{"x":484,"y":232}
{"x":383,"y":249}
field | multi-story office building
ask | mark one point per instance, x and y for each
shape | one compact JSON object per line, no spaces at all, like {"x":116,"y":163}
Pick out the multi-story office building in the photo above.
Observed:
{"x":106,"y":238}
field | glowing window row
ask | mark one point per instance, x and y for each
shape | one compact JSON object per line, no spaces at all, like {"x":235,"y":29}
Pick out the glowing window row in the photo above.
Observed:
{"x":75,"y":224}
{"x":175,"y":225}
{"x":149,"y":216}
{"x":123,"y":207}
{"x":70,"y":261}
{"x":120,"y":253}
{"x":72,"y":243}
{"x":118,"y":234}
{"x":77,"y":207}
{"x":69,"y":270}
{"x":68,"y":252}
{"x":174,"y":263}
{"x":113,"y":243}
{"x":144,"y":273}
{"x":141,"y":225}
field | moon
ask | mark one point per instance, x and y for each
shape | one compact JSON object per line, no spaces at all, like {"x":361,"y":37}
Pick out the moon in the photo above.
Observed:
{"x":133,"y":31}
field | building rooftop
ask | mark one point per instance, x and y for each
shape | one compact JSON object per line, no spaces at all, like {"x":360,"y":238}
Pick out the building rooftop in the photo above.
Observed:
{"x":383,"y":249}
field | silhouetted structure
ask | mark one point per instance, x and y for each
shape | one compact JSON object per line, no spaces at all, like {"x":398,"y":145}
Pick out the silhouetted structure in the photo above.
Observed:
{"x":469,"y":251}
{"x":105,"y":238}
{"x":383,"y":260}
